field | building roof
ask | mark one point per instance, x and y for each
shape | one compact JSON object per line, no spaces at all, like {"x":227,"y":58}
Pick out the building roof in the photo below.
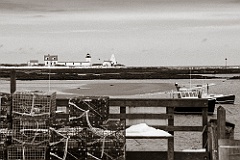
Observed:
{"x":88,"y":56}
{"x":50,"y":57}
{"x":33,"y":61}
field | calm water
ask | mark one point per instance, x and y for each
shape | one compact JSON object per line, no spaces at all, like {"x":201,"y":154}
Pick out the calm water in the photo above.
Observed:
{"x":182,"y":140}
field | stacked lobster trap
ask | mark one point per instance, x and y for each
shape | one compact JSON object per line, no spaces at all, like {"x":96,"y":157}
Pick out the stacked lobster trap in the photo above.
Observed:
{"x":88,"y":137}
{"x":85,"y":109}
{"x":32,"y":115}
{"x":3,"y":136}
{"x":4,"y":105}
{"x":4,"y":132}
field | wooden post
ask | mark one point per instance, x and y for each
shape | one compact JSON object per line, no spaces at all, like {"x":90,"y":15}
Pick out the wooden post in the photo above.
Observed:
{"x":212,"y":145}
{"x":221,"y":122}
{"x":13,"y":81}
{"x":170,"y":112}
{"x":205,"y":128}
{"x":12,"y":90}
{"x":123,"y":121}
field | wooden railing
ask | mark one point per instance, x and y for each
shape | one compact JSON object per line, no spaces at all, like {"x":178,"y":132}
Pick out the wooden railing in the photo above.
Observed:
{"x":169,"y":104}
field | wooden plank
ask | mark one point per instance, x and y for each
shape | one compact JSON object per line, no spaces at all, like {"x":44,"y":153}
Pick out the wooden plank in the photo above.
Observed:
{"x":148,"y":137}
{"x":156,"y":102}
{"x":178,"y":128}
{"x":229,"y":149}
{"x":161,"y":155}
{"x":141,"y":116}
{"x":144,"y":102}
{"x":185,"y":128}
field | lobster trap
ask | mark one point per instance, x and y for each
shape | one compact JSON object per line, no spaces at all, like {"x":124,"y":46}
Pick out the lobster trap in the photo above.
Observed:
{"x":30,"y":130}
{"x":3,"y":130}
{"x":4,"y":105}
{"x":97,"y":108}
{"x":88,"y":143}
{"x":68,"y":143}
{"x":27,"y":152}
{"x":34,"y":103}
{"x":73,"y":136}
{"x":2,"y":152}
{"x":105,"y":144}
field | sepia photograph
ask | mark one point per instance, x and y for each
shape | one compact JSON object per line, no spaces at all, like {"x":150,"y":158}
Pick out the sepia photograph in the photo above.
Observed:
{"x":119,"y":79}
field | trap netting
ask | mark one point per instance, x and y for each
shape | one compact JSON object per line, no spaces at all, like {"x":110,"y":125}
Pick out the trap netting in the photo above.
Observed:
{"x":34,"y":103}
{"x":4,"y":132}
{"x":2,"y":151}
{"x":97,"y":107}
{"x":4,"y":105}
{"x":88,"y":143}
{"x":30,"y":130}
{"x":27,"y":152}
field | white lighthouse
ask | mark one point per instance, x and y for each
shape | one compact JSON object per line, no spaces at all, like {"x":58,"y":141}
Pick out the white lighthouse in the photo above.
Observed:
{"x":113,"y":60}
{"x":88,"y":58}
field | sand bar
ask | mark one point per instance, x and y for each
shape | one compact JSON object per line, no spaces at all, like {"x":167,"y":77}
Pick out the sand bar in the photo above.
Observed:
{"x":120,"y":89}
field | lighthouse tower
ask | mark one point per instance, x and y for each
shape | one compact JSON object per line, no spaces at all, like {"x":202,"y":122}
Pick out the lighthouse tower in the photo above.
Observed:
{"x":88,"y":58}
{"x":113,"y":60}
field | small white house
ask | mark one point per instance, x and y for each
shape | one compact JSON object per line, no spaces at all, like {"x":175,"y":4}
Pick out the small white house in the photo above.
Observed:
{"x":33,"y":63}
{"x":50,"y":60}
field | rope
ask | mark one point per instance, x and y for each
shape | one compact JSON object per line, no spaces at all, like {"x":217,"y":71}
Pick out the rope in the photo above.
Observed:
{"x":65,"y":151}
{"x":35,"y":115}
{"x":70,"y":103}
{"x":92,"y":156}
{"x":72,"y":155}
{"x":32,"y":115}
{"x":72,"y":118}
{"x":23,"y":152}
{"x":103,"y":146}
{"x":23,"y":143}
{"x":32,"y":107}
{"x":92,"y":108}
{"x":35,"y":134}
{"x":57,"y":132}
{"x":52,"y":154}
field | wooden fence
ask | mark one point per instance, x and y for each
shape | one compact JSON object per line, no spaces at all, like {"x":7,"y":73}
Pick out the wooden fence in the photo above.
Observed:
{"x":169,"y":104}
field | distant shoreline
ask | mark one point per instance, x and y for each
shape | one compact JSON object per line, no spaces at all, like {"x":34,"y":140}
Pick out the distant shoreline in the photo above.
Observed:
{"x":121,"y":73}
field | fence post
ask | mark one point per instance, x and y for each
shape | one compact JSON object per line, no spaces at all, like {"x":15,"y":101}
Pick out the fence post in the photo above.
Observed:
{"x":221,"y":124}
{"x":13,"y":81}
{"x":170,"y":153}
{"x":123,"y":121}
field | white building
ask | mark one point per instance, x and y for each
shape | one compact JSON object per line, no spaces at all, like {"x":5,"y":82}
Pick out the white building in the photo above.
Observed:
{"x":88,"y":58}
{"x":50,"y":60}
{"x":74,"y":64}
{"x":111,"y":62}
{"x":33,"y":63}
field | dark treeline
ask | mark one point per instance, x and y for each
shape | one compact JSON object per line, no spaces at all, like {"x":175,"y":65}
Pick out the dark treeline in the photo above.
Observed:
{"x":119,"y":73}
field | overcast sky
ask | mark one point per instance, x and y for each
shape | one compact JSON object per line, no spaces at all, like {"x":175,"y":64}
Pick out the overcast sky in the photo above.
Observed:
{"x":137,"y":32}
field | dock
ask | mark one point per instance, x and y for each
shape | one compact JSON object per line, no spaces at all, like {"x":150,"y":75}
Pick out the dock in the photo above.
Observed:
{"x":127,"y":114}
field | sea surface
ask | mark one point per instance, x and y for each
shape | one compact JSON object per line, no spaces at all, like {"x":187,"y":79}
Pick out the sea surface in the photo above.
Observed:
{"x":183,"y":140}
